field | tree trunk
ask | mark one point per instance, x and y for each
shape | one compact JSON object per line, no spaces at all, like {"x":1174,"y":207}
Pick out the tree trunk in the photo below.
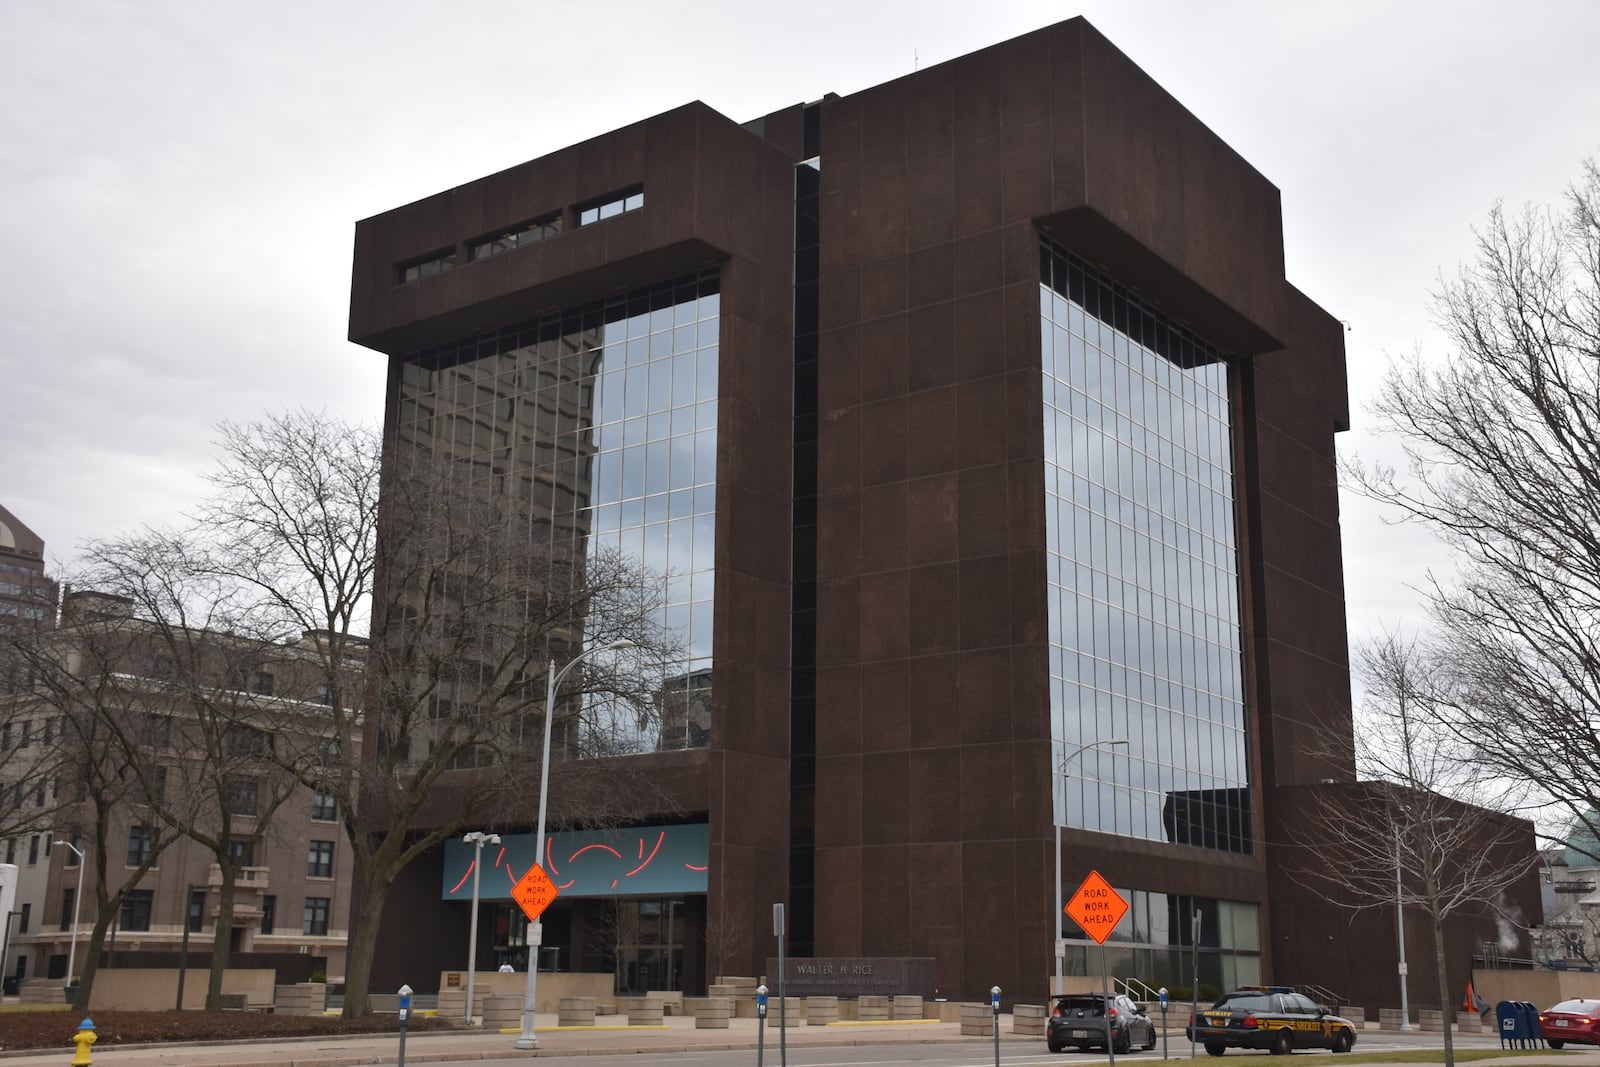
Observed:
{"x":91,"y":955}
{"x":221,"y":936}
{"x":363,"y":946}
{"x":1445,"y":1002}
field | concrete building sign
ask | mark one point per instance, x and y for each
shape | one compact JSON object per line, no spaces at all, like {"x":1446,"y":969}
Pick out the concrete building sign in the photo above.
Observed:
{"x":855,"y":976}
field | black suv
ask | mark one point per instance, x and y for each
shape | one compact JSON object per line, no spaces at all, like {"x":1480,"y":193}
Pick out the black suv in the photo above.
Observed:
{"x":1080,"y":1020}
{"x":1269,"y":1017}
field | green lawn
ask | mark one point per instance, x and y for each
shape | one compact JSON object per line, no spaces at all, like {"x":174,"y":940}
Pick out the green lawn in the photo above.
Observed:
{"x":1418,"y":1056}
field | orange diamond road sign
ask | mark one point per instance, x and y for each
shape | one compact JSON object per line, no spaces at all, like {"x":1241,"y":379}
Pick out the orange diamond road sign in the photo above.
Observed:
{"x":536,"y":892}
{"x":1097,"y":907}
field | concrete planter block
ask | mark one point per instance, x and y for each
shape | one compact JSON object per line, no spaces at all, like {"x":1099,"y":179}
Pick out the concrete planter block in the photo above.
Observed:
{"x":872,"y":1009}
{"x":644,"y":1011}
{"x":906,"y":1007}
{"x":713,"y":1013}
{"x":576,"y":1011}
{"x":977,"y":1020}
{"x":502,"y":1011}
{"x":1389,"y":1018}
{"x":1431,"y":1020}
{"x":820,"y":1011}
{"x":1029,"y":1019}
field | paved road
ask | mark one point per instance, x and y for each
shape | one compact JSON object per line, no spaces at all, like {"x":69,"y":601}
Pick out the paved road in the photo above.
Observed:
{"x":679,"y":1042}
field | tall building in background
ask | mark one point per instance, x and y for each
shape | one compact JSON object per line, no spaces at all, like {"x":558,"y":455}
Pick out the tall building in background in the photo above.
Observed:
{"x":989,"y":457}
{"x":27,"y":595}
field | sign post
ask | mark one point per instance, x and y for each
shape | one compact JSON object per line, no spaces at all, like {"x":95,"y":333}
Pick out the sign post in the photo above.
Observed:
{"x":533,"y":892}
{"x":783,"y":1023}
{"x":1098,"y":908}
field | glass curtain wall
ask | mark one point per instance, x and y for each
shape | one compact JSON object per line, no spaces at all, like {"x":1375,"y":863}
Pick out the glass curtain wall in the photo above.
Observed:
{"x":1143,"y":572}
{"x":597,"y":426}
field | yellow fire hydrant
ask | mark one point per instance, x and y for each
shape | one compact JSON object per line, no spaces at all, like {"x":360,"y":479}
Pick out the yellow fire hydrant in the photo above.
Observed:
{"x":84,"y":1039}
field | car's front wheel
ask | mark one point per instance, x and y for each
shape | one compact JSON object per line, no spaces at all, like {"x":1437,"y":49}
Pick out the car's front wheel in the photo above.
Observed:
{"x":1282,"y":1043}
{"x":1150,"y":1038}
{"x":1342,"y":1041}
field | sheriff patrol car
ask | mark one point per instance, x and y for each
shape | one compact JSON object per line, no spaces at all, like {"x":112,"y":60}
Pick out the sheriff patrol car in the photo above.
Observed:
{"x":1270,"y":1017}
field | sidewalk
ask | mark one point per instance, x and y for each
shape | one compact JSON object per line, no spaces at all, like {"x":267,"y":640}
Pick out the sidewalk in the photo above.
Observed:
{"x":678,"y":1034}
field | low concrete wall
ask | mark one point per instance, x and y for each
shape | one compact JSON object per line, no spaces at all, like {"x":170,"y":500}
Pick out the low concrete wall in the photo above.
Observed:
{"x":302,"y":998}
{"x":156,"y":989}
{"x":502,"y":1011}
{"x":1389,"y":1018}
{"x":872,"y":1009}
{"x":552,"y":987}
{"x":905,"y":1007}
{"x":822,"y":1011}
{"x":576,"y":1011}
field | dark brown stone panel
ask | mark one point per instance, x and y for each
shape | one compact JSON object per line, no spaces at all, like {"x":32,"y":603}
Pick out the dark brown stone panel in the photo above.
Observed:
{"x":936,"y":907}
{"x":838,"y":623}
{"x":840,"y":795}
{"x":931,"y":693}
{"x":886,"y":715}
{"x":985,"y":602}
{"x":931,"y":346}
{"x":930,"y":275}
{"x":884,"y":778}
{"x":932,"y":513}
{"x":883,"y":195}
{"x":839,"y":537}
{"x":934,"y":592}
{"x":978,"y":262}
{"x":984,"y":698}
{"x":932,"y":773}
{"x":885,"y":900}
{"x":839,"y":916}
{"x":885,"y":622}
{"x":981,"y":424}
{"x":986,"y":810}
{"x":883,"y":287}
{"x":980,"y":338}
{"x":838,"y":451}
{"x":883,"y":358}
{"x":840,"y":298}
{"x":883,"y":441}
{"x":839,"y":363}
{"x":841,"y":713}
{"x":930,"y":446}
{"x":989,"y":890}
{"x":985,"y":521}
{"x":883,"y":527}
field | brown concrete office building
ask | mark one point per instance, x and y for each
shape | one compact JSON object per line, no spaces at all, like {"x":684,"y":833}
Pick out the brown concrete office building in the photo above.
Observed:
{"x":979,"y":427}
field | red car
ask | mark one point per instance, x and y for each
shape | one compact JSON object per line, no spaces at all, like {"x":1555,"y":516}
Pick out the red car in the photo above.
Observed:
{"x":1577,"y":1021}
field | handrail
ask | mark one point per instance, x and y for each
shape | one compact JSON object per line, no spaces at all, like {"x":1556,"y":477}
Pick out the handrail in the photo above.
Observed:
{"x":1145,"y":991}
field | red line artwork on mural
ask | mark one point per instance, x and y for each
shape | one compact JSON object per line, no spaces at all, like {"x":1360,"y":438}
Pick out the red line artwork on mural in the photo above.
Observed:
{"x":587,"y":848}
{"x":693,"y":867}
{"x":646,"y":863}
{"x":500,"y":855}
{"x":464,"y":877}
{"x":549,"y":860}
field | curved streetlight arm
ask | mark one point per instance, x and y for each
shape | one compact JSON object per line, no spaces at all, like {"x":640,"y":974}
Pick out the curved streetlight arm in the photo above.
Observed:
{"x":528,"y":1039}
{"x":1055,"y":829}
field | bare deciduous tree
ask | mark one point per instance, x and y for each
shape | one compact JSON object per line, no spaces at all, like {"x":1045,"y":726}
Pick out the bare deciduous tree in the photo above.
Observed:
{"x":1502,"y":439}
{"x":470,"y":608}
{"x":1425,"y":829}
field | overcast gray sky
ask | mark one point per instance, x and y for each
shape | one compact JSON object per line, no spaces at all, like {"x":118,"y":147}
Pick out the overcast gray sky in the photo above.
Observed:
{"x":179,"y":181}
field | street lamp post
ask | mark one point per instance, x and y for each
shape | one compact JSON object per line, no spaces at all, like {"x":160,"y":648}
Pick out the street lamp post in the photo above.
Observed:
{"x":1400,"y":932}
{"x":77,"y":909}
{"x":477,"y":839}
{"x":1055,"y":828}
{"x":528,"y":1039}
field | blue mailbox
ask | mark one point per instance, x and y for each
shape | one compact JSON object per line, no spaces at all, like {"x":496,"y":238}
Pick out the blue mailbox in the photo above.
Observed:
{"x":1511,"y":1024}
{"x":1535,"y":1030}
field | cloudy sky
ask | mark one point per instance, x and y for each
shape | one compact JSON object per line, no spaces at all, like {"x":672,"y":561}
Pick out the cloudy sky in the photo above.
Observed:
{"x":179,"y":181}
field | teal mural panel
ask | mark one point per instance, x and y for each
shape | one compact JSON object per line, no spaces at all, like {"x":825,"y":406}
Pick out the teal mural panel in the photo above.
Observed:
{"x":638,"y":861}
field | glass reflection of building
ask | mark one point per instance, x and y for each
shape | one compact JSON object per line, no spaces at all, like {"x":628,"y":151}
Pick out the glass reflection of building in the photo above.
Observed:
{"x":598,"y":425}
{"x":1143,"y":582}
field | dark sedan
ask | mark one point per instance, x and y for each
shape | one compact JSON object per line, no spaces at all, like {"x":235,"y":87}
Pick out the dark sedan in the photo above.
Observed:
{"x":1083,"y":1020}
{"x":1275,"y":1018}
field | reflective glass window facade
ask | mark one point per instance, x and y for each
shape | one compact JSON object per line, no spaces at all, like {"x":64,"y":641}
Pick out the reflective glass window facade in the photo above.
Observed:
{"x":601,"y":422}
{"x":1143,"y":572}
{"x":1155,"y":942}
